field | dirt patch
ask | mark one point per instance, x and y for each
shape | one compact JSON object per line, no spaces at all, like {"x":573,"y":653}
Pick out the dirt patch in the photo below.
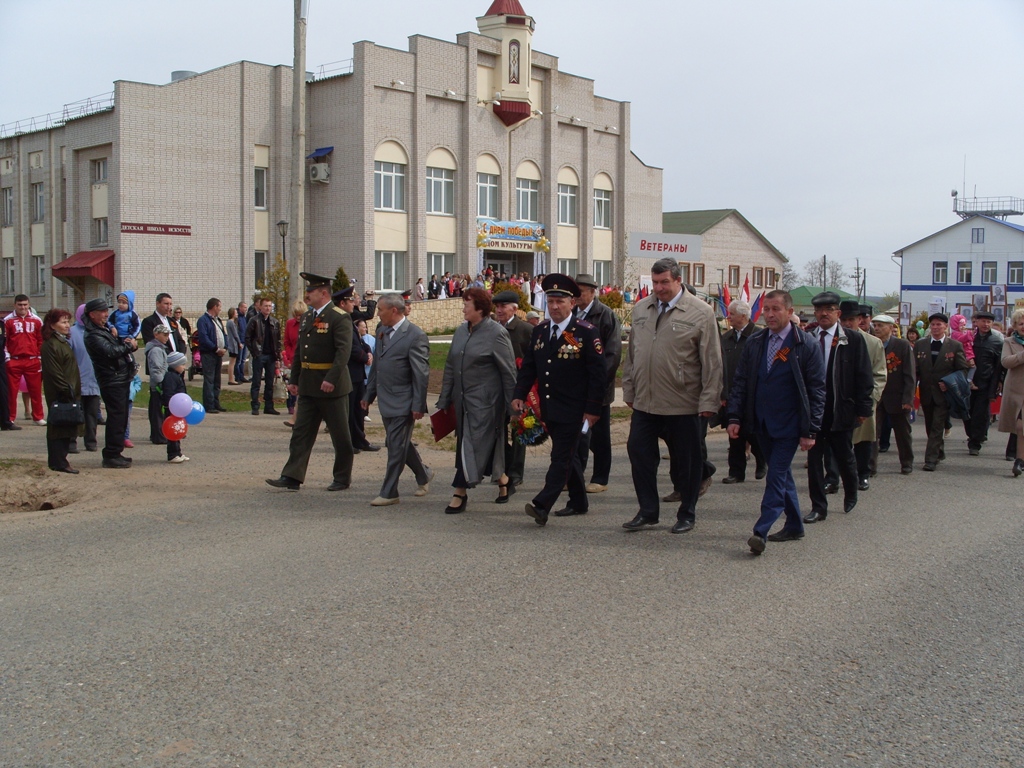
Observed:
{"x":28,"y":486}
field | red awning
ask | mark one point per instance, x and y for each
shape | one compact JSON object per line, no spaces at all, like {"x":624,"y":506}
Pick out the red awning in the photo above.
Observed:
{"x":512,"y":112}
{"x":97,"y":264}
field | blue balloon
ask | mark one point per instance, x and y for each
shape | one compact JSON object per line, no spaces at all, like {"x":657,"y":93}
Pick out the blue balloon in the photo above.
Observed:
{"x":196,"y":415}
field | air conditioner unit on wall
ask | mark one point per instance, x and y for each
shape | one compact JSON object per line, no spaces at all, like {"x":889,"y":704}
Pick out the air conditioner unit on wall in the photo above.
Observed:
{"x":320,"y":172}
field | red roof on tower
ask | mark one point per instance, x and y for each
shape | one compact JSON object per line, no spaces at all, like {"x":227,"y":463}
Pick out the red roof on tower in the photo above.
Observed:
{"x":505,"y":8}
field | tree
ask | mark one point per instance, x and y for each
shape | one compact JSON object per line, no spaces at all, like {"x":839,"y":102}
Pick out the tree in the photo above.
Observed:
{"x":340,"y":281}
{"x":789,"y":278}
{"x":888,"y":301}
{"x":274,"y":285}
{"x":825,"y":273}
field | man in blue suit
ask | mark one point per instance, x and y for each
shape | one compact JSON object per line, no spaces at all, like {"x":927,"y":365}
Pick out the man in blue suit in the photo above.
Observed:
{"x":779,"y":394}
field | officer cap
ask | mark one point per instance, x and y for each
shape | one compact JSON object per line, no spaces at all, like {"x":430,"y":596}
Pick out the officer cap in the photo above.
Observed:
{"x":938,"y":316}
{"x":506,"y":297}
{"x":560,"y":285}
{"x":825,"y":298}
{"x":315,"y":281}
{"x":343,"y":294}
{"x":849,"y":309}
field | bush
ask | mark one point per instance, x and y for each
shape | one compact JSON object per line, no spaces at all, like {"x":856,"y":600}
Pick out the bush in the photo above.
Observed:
{"x":524,"y":302}
{"x":612,"y":299}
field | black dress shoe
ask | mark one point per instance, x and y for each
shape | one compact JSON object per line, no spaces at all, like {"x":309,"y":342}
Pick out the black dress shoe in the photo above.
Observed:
{"x":883,"y":449}
{"x":369,"y":447}
{"x":1018,"y":467}
{"x":288,"y":483}
{"x":335,"y":486}
{"x":849,"y":503}
{"x":831,"y":488}
{"x":12,"y":427}
{"x":73,"y":449}
{"x":271,"y":412}
{"x":730,"y":479}
{"x":863,"y":485}
{"x":756,"y":544}
{"x":760,"y":472}
{"x":222,"y":410}
{"x":815,"y":516}
{"x":68,"y":470}
{"x":118,"y":462}
{"x":682,"y":526}
{"x":785,"y":535}
{"x":463,"y":500}
{"x":539,"y":515}
{"x":509,"y":488}
{"x":638,"y":522}
{"x":255,"y":411}
{"x":929,"y":467}
{"x":568,"y":511}
{"x":906,"y":470}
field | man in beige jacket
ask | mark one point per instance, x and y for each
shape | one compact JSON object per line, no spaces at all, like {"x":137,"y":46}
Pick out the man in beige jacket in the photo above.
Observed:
{"x":672,"y":377}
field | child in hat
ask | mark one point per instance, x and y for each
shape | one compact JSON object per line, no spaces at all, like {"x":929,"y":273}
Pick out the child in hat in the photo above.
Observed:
{"x":173,"y":383}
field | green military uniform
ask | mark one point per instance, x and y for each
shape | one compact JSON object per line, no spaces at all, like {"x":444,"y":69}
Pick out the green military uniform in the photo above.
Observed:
{"x":321,"y":354}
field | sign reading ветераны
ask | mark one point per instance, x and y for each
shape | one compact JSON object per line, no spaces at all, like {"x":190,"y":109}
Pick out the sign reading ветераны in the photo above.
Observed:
{"x":662,"y":245}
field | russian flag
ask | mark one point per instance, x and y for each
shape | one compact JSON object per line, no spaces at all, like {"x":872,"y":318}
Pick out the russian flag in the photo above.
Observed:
{"x":755,"y":308}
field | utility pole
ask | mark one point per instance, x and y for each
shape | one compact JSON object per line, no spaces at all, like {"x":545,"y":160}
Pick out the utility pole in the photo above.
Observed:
{"x":824,"y":271}
{"x":298,"y":211}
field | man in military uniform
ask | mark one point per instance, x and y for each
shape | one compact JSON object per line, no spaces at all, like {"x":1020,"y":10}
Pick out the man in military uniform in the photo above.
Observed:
{"x":565,"y":358}
{"x":320,"y":378}
{"x":519,"y":332}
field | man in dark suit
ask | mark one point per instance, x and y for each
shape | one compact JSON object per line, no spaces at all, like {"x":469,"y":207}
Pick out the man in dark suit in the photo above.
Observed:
{"x":849,"y":381}
{"x":164,"y":315}
{"x":897,"y":401}
{"x":741,"y":328}
{"x":565,"y":358}
{"x":599,"y":439}
{"x":937,"y":356}
{"x":345,"y":300}
{"x":519,"y":331}
{"x":988,"y":378}
{"x":319,"y":377}
{"x":398,"y":382}
{"x":778,"y":393}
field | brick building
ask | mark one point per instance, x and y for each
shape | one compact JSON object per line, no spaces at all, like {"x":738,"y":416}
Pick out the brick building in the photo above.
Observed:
{"x":448,"y":156}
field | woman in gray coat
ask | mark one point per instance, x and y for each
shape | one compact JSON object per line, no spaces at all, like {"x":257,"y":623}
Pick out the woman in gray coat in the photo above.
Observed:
{"x":233,"y":342}
{"x":479,"y":377}
{"x":1013,"y":386}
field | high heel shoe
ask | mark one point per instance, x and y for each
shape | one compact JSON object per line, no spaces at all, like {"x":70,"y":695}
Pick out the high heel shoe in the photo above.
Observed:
{"x":509,"y":487}
{"x":450,"y":510}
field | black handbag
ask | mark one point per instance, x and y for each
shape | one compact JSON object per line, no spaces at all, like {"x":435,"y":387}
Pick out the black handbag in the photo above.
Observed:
{"x":65,"y":414}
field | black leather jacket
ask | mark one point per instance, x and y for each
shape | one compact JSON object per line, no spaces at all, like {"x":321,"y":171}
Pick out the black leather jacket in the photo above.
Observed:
{"x":111,"y":358}
{"x":988,"y":371}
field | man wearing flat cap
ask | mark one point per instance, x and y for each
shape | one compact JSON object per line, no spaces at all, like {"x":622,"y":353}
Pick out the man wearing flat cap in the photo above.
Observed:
{"x":937,"y":355}
{"x":599,"y":440}
{"x":319,"y":377}
{"x":519,"y":332}
{"x":848,"y":386}
{"x":893,"y":411}
{"x":987,"y":382}
{"x":565,"y":359}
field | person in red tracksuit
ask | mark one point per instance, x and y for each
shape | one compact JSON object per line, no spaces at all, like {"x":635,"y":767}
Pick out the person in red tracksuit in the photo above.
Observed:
{"x":24,"y":345}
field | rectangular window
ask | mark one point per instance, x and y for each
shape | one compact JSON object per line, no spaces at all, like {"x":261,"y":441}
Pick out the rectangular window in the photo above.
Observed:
{"x":963,"y":272}
{"x":99,"y":170}
{"x":602,"y":209}
{"x":100,"y":231}
{"x":260,"y":195}
{"x":439,"y":263}
{"x":8,"y":277}
{"x":567,"y":267}
{"x":684,"y":271}
{"x":734,"y":275}
{"x":1015,"y":273}
{"x":698,"y":275}
{"x":567,"y":204}
{"x":989,"y":272}
{"x":38,"y":202}
{"x":38,"y":275}
{"x":388,"y":186}
{"x":440,"y":191}
{"x":486,"y":196}
{"x":527,"y":200}
{"x":978,"y":235}
{"x":390,"y":267}
{"x":260,"y":265}
{"x":8,"y":212}
{"x":940,"y":272}
{"x":758,"y":277}
{"x":602,"y":272}
{"x":769,"y":278}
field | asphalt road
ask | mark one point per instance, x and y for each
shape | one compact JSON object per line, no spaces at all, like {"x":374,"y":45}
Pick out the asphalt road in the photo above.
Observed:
{"x":192,"y":616}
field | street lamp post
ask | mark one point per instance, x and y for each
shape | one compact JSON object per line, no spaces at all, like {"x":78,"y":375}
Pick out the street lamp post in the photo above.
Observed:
{"x":282,"y":227}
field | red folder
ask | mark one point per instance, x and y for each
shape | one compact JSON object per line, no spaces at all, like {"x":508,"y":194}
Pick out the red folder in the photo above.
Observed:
{"x":443,"y":422}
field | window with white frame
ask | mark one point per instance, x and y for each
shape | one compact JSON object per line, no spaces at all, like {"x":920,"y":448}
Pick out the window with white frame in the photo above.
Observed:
{"x":978,"y":235}
{"x":486,"y":196}
{"x":769,"y":277}
{"x":100,"y":231}
{"x":259,"y":199}
{"x":734,"y":275}
{"x":963,"y":272}
{"x":99,"y":170}
{"x":260,"y":265}
{"x":602,"y":272}
{"x":698,"y":274}
{"x":38,"y":275}
{"x":8,"y":203}
{"x":527,"y":200}
{"x":758,"y":281}
{"x":567,"y":267}
{"x":440,"y":191}
{"x":8,"y":276}
{"x":989,"y":272}
{"x":567,"y":194}
{"x":388,"y":186}
{"x":38,"y":202}
{"x":439,"y":263}
{"x":684,"y":271}
{"x":940,"y":272}
{"x":602,"y":209}
{"x":390,"y":268}
{"x":1015,"y":273}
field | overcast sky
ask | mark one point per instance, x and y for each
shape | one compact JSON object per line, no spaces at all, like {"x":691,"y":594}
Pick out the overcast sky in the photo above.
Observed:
{"x":836,"y":127}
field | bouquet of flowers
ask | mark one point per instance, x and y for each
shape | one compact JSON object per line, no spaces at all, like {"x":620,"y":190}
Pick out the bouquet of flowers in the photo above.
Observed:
{"x":528,"y":428}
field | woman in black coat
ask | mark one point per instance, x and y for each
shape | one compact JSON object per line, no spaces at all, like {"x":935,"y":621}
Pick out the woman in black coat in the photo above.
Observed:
{"x":61,"y":384}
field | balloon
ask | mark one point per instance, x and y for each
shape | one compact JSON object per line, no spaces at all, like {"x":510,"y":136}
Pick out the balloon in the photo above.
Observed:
{"x":180,"y":405}
{"x":197,"y":414}
{"x":174,"y":427}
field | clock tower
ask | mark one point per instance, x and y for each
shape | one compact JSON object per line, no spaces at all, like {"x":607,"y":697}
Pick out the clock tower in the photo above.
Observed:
{"x":507,"y":22}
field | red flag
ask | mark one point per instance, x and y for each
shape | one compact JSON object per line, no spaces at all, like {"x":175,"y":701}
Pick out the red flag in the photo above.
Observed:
{"x":726,"y":298}
{"x":745,"y":293}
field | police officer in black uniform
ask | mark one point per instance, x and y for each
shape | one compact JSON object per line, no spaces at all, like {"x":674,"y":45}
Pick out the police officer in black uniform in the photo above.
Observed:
{"x":565,"y":359}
